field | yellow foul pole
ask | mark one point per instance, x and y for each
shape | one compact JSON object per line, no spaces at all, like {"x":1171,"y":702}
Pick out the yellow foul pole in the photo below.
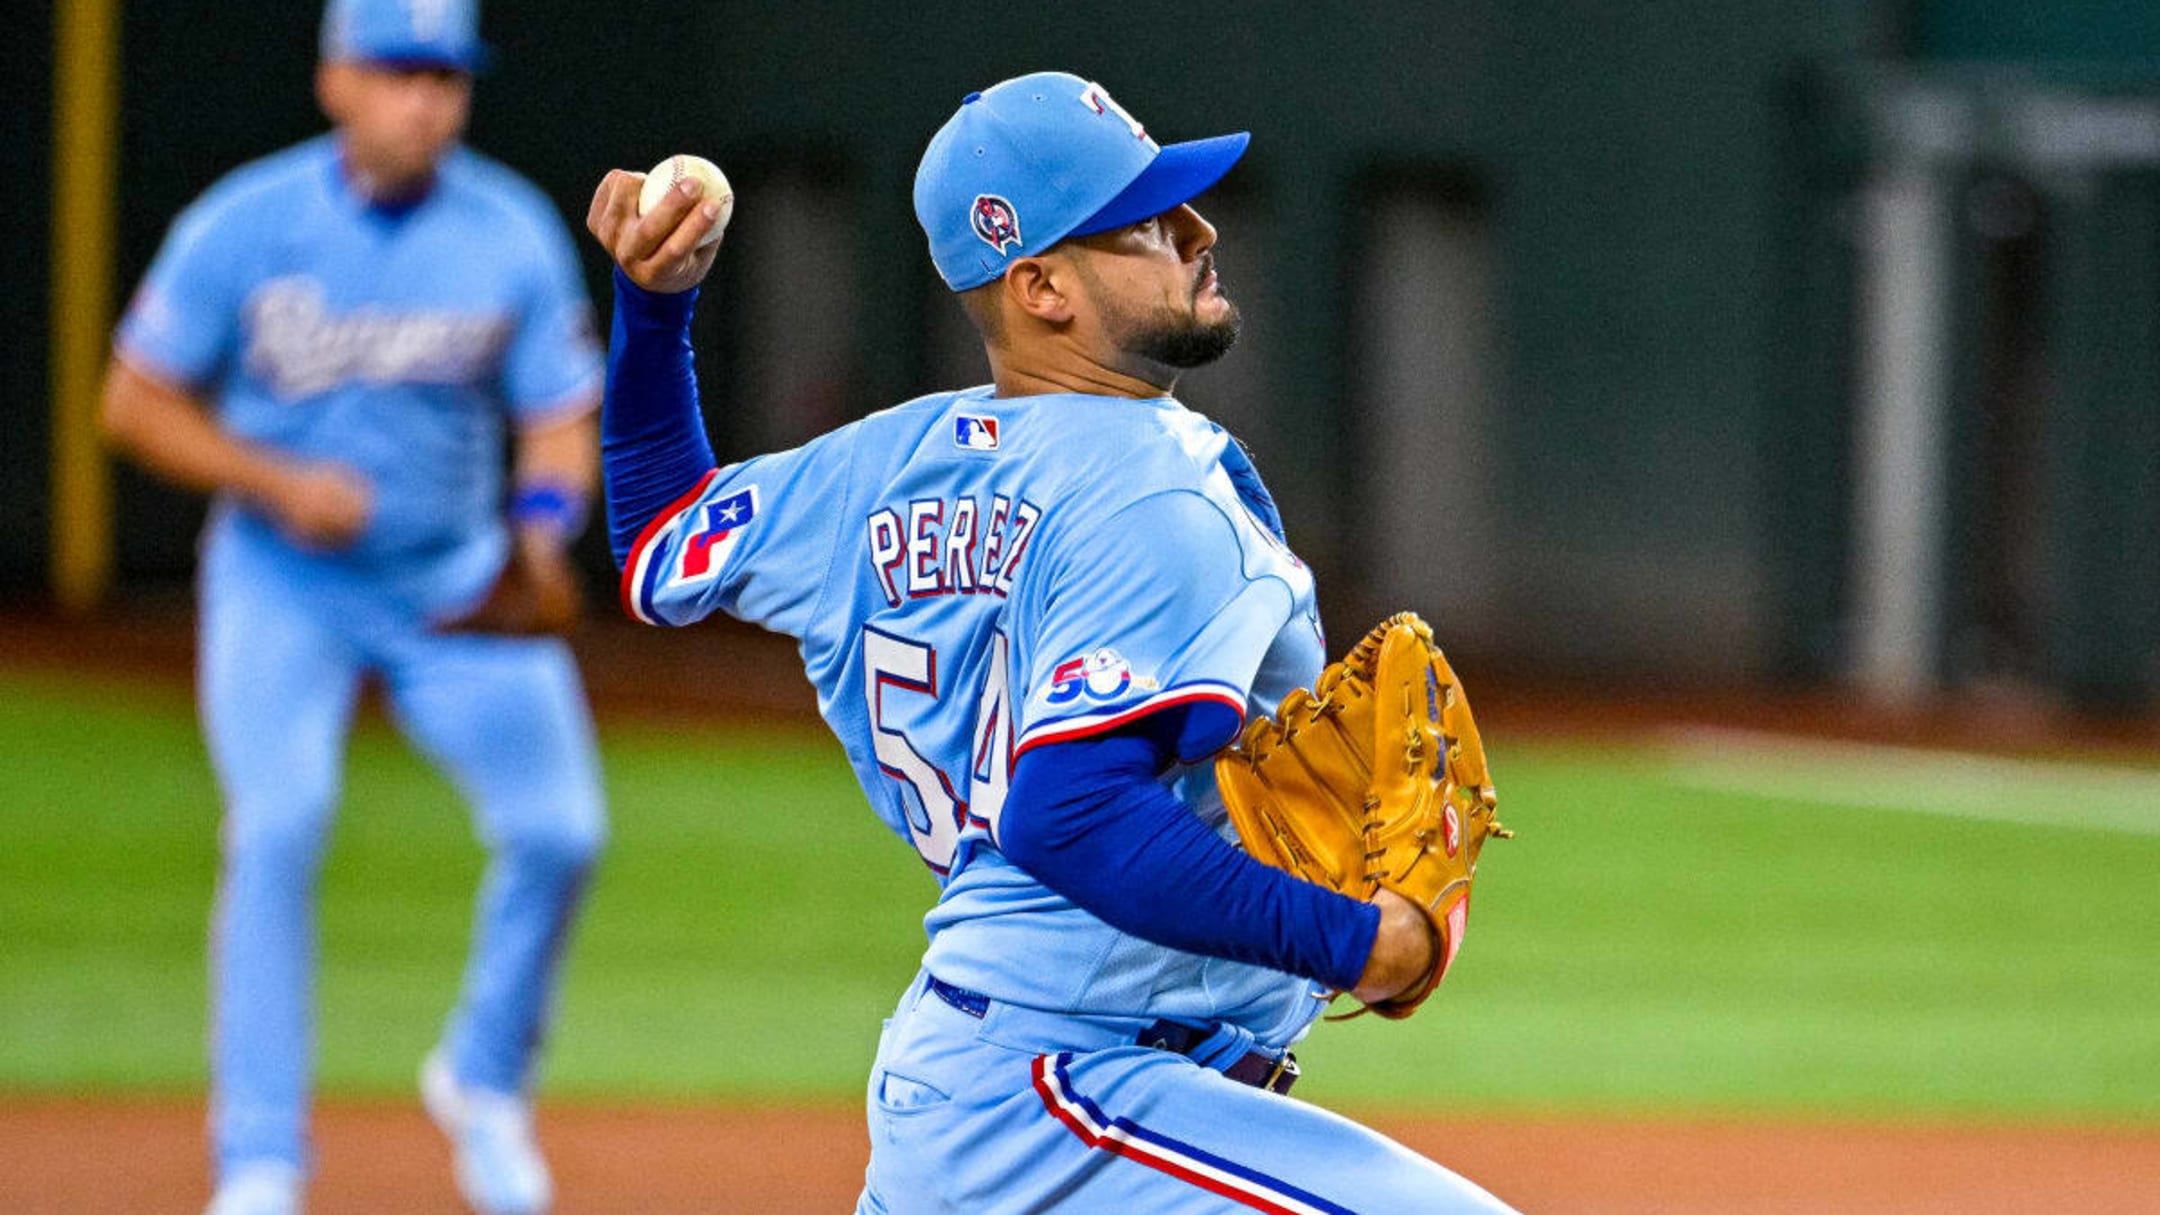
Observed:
{"x":86,"y":36}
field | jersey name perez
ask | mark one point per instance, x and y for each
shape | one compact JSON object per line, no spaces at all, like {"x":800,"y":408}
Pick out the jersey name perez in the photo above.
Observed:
{"x":950,"y":546}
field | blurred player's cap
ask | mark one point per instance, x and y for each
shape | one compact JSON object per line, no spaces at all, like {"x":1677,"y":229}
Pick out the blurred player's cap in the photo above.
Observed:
{"x":1031,"y":161}
{"x":405,"y":33}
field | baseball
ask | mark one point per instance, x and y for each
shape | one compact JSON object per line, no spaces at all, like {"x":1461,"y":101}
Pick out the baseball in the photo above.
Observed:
{"x":667,"y":173}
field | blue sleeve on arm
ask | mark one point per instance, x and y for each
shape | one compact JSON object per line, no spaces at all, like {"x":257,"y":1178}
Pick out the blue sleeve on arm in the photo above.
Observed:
{"x":653,"y":447}
{"x":1095,"y":825}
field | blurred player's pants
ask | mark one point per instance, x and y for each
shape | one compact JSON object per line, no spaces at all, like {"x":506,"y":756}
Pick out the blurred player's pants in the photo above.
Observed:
{"x":1024,"y":1110}
{"x":282,"y":656}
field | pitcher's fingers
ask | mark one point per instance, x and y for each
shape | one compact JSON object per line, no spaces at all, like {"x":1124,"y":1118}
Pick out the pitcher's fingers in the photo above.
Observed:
{"x":616,"y":202}
{"x":613,"y":201}
{"x":682,"y":243}
{"x":643,"y":240}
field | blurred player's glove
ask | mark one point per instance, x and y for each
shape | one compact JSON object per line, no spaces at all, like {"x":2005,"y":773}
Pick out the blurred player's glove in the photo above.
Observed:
{"x":536,"y":593}
{"x":1374,"y":779}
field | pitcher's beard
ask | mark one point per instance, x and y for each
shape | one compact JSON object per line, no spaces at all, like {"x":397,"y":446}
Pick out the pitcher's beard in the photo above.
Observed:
{"x":1169,"y":338}
{"x":1185,"y":341}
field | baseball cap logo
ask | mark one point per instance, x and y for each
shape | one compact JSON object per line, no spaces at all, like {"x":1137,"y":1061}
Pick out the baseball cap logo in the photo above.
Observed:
{"x":1095,"y":99}
{"x":995,"y":222}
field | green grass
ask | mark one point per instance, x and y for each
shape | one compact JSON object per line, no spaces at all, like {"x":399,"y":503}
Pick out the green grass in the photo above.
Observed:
{"x":1642,"y":947}
{"x":749,"y":926}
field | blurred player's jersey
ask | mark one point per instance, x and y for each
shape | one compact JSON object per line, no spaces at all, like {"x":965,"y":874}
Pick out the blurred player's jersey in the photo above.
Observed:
{"x":973,"y":576}
{"x":390,"y":339}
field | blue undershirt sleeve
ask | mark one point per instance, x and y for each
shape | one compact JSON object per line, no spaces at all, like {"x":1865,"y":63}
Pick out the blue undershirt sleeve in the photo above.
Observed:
{"x":1100,"y":829}
{"x":653,"y":447}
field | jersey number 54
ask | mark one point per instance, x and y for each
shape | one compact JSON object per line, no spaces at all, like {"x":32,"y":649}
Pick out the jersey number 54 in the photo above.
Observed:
{"x":936,"y":814}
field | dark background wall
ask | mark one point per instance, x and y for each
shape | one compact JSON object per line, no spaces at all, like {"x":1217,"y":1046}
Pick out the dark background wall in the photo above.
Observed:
{"x":25,"y":168}
{"x":1658,"y":481}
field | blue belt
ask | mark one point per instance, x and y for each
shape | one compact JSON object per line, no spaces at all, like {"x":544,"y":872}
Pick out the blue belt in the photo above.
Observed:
{"x":1257,"y":1068}
{"x":971,"y":1003}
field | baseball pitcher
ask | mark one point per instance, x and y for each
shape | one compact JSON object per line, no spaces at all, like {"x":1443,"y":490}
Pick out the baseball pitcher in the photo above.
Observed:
{"x":1036,"y":612}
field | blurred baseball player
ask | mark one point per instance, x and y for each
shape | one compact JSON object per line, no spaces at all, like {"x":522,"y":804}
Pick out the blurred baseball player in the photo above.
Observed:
{"x":1032,"y":611}
{"x":333,"y":341}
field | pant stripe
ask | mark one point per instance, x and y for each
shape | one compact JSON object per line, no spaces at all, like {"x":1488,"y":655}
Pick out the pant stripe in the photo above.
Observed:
{"x":1126,"y":1138}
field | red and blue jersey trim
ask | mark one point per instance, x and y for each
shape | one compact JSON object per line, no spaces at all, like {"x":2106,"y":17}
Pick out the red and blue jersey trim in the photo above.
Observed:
{"x":1124,"y":1137}
{"x":1084,"y":725}
{"x":640,"y":572}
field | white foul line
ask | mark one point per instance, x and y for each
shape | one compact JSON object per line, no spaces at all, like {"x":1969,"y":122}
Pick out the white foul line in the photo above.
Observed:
{"x":1957,"y":784}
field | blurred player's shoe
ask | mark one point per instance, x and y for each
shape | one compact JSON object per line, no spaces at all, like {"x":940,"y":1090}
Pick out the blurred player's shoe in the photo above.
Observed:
{"x":265,"y":1187}
{"x":499,"y":1169}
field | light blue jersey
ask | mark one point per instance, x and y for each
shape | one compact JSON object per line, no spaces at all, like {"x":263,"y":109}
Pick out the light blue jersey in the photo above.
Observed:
{"x":389,"y":340}
{"x":973,"y":576}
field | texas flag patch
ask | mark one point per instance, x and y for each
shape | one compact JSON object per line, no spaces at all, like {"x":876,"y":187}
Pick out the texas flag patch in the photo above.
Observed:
{"x":710,"y":533}
{"x":975,"y":432}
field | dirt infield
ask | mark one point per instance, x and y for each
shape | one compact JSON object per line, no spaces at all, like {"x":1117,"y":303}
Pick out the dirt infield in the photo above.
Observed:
{"x":75,"y":1158}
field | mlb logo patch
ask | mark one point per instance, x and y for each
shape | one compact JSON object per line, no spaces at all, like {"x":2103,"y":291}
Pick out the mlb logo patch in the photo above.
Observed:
{"x":711,"y":532}
{"x":975,"y":432}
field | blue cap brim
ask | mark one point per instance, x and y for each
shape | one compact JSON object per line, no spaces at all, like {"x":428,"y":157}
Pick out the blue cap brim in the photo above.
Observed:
{"x":473,"y":61}
{"x":1179,"y":173}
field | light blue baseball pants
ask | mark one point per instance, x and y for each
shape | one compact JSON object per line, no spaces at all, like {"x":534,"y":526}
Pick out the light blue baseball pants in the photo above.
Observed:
{"x":1022,"y":1111}
{"x":281,"y":661}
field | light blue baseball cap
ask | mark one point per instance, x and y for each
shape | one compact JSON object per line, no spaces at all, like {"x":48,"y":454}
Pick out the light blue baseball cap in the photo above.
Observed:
{"x":1033,"y":160}
{"x":405,"y":33}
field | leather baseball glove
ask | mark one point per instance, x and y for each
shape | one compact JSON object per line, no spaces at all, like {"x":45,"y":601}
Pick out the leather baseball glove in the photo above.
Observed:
{"x":537,"y":593}
{"x":1374,"y":779}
